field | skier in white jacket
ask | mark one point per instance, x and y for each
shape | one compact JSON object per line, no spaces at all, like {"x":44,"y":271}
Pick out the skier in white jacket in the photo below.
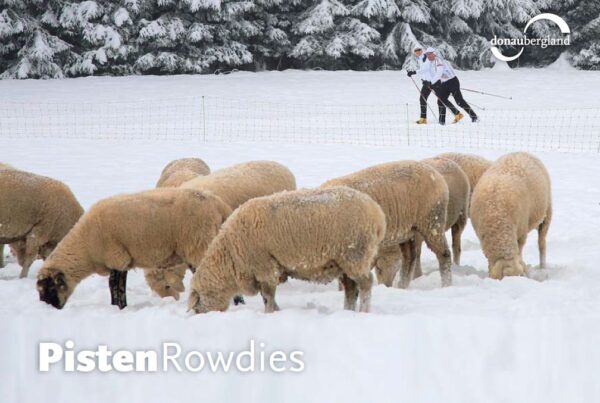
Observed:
{"x":445,"y":83}
{"x":423,"y":72}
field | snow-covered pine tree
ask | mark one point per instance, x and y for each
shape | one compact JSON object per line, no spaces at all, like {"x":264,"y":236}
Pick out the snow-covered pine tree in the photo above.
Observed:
{"x":584,"y":21}
{"x":464,"y":27}
{"x":400,"y":21}
{"x":329,"y":36}
{"x":273,"y":43}
{"x":193,"y":36}
{"x":381,"y":15}
{"x":30,"y":46}
{"x":100,"y":31}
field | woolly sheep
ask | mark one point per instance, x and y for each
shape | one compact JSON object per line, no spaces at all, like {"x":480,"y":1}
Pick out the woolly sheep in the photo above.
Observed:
{"x":157,"y":228}
{"x":36,"y":212}
{"x":315,"y":235}
{"x":512,"y":198}
{"x":234,"y":185}
{"x":458,"y":205}
{"x":414,"y":198}
{"x":473,"y":165}
{"x":182,"y":170}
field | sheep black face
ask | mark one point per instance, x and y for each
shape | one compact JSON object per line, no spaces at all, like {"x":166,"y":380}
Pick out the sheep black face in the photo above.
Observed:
{"x":53,"y":288}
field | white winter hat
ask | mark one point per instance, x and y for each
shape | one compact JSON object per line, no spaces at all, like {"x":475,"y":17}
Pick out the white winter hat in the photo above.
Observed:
{"x":417,"y":47}
{"x":430,"y":50}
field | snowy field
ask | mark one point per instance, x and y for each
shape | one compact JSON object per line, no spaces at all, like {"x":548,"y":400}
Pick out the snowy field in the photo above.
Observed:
{"x":480,"y":340}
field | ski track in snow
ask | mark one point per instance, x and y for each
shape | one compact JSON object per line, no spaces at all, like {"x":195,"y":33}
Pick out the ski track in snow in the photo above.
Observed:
{"x":480,"y":340}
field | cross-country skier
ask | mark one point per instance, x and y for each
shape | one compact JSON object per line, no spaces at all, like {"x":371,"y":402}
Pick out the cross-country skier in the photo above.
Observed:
{"x":445,"y":83}
{"x":426,"y":87}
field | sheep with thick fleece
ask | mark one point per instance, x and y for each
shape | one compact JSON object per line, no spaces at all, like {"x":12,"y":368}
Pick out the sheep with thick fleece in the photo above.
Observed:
{"x":414,"y":198}
{"x":315,"y":235}
{"x":36,"y":212}
{"x":512,"y":198}
{"x":157,"y":228}
{"x":234,"y":185}
{"x":473,"y":165}
{"x":182,"y":170}
{"x":459,"y":192}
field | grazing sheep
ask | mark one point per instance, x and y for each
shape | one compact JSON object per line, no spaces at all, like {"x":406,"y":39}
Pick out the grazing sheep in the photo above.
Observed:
{"x":414,"y":198}
{"x":234,"y":185}
{"x":458,"y":205}
{"x":473,"y":165}
{"x":315,"y":235}
{"x":36,"y":212}
{"x":512,"y":198}
{"x":182,"y":170}
{"x":157,"y":228}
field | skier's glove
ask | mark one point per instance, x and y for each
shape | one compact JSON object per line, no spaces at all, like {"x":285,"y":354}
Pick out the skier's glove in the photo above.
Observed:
{"x":411,"y":73}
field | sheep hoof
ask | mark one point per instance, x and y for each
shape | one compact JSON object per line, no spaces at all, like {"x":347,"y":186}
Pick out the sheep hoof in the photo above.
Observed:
{"x":118,"y":283}
{"x":238,"y":299}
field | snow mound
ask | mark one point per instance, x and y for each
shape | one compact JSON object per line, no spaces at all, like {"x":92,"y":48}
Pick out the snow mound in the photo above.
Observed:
{"x":561,"y":64}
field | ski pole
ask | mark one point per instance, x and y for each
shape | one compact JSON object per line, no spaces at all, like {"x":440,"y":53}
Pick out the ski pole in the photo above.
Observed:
{"x":430,"y":108}
{"x":477,"y":106}
{"x":486,"y":93}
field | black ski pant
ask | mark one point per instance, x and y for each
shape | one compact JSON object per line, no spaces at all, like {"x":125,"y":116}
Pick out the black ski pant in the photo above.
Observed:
{"x":452,"y":87}
{"x":425,"y":91}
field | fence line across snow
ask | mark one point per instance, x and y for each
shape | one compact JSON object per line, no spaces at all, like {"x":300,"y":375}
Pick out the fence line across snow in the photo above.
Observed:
{"x":222,"y":119}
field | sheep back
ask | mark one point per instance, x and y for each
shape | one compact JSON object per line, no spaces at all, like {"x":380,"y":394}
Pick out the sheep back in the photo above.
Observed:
{"x":473,"y":165}
{"x":239,"y":183}
{"x":411,"y":194}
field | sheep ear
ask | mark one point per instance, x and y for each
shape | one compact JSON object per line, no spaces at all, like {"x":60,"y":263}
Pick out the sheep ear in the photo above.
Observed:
{"x":193,"y":300}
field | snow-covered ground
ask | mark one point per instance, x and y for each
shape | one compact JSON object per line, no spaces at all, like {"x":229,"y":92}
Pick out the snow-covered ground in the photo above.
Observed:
{"x":480,"y":340}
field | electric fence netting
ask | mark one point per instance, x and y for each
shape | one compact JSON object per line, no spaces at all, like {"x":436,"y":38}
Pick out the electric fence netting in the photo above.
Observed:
{"x":220,"y":119}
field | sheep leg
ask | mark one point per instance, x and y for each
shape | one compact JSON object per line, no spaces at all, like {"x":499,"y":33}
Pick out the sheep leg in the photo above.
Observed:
{"x":26,"y":252}
{"x":409,"y":255}
{"x":542,"y":232}
{"x":364,"y":287}
{"x":350,"y":292}
{"x":436,"y":241}
{"x":2,"y":256}
{"x":521,"y":242}
{"x":418,"y":271}
{"x":268,"y":294}
{"x":118,"y":288}
{"x":457,"y":230}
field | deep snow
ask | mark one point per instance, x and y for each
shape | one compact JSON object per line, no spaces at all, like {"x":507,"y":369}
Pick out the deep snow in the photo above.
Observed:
{"x":479,"y":340}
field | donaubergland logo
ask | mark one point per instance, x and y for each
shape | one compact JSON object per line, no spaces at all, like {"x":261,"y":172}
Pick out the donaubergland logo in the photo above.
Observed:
{"x":169,"y":358}
{"x":525,"y":41}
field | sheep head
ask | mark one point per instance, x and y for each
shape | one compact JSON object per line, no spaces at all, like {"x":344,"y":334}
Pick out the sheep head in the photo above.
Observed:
{"x":168,"y":290}
{"x":164,"y":282}
{"x":53,"y":287}
{"x":507,"y":267}
{"x":207,"y":302}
